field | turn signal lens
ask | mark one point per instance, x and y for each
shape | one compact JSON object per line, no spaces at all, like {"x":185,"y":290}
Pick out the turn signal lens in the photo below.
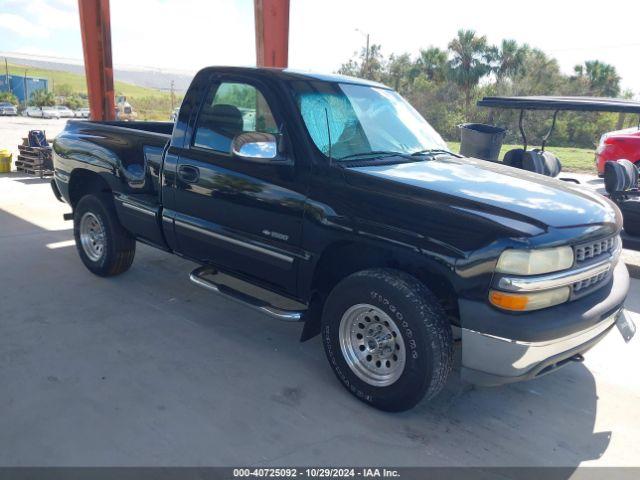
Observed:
{"x":524,"y":302}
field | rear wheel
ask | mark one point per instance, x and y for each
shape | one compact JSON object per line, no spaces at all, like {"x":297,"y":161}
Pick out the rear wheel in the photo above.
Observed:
{"x":105,"y":247}
{"x":387,"y":339}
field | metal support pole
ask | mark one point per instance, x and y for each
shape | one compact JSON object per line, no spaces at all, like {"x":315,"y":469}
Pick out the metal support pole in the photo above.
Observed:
{"x":548,"y":135}
{"x":272,"y":33}
{"x":95,"y":25}
{"x":521,"y":126}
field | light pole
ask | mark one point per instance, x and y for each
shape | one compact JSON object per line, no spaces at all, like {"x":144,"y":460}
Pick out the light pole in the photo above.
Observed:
{"x":365,"y":64}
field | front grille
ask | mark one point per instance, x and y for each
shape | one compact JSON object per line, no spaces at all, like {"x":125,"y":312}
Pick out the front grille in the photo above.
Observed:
{"x":592,"y":250}
{"x":589,"y":282}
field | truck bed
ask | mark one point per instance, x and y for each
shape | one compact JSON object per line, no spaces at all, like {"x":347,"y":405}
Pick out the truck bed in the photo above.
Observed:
{"x":128,"y":155}
{"x":133,"y":148}
{"x":164,"y":128}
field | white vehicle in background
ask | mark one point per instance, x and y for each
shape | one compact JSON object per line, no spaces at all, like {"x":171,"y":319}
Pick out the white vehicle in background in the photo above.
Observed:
{"x":7,"y":108}
{"x":65,"y":112}
{"x":32,"y":112}
{"x":174,"y":115}
{"x":50,"y":112}
{"x":82,"y":113}
{"x":41,"y":112}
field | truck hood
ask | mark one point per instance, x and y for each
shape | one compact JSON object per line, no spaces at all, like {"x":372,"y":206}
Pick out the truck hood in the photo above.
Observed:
{"x":486,"y":186}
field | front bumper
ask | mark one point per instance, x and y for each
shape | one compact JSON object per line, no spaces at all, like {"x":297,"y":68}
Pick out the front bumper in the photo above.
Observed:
{"x":540,"y":342}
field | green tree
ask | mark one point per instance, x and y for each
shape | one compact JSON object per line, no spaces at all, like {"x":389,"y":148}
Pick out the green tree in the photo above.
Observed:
{"x":509,"y":60}
{"x":601,"y":78}
{"x":469,"y":62}
{"x":432,"y":62}
{"x":63,"y":90}
{"x":401,"y":72}
{"x":443,"y":90}
{"x":369,"y":66}
{"x":73,"y":102}
{"x":41,"y":98}
{"x":8,"y":97}
{"x":539,"y":75}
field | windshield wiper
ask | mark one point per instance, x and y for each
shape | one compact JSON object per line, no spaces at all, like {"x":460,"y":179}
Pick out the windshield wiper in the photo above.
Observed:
{"x":431,"y":151}
{"x":375,"y":154}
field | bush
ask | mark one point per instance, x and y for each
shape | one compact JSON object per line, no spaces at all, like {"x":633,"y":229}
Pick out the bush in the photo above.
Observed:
{"x":8,"y":97}
{"x":42,"y":98}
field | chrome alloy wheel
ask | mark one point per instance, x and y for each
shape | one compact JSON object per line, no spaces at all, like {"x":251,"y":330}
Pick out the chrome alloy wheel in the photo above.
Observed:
{"x":92,"y":236}
{"x":372,"y":345}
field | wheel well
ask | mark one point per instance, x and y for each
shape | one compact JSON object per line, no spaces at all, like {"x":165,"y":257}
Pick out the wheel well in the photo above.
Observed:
{"x":343,"y":259}
{"x":83,"y":182}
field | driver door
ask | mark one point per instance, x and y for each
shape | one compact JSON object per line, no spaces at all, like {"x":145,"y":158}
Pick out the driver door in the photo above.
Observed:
{"x":241,"y":215}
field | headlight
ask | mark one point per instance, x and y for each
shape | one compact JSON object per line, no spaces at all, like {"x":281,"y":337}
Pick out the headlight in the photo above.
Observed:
{"x":523,"y":302}
{"x":535,"y":262}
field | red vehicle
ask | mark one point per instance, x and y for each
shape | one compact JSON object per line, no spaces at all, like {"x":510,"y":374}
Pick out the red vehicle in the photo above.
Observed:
{"x":621,"y":144}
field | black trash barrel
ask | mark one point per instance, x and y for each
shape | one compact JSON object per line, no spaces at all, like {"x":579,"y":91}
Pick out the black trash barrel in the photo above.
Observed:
{"x":481,"y":141}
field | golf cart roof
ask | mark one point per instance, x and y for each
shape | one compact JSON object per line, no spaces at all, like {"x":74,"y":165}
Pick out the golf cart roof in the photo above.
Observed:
{"x":575,"y":104}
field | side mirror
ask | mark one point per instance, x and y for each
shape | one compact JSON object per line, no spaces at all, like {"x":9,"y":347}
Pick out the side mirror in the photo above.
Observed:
{"x":255,"y":146}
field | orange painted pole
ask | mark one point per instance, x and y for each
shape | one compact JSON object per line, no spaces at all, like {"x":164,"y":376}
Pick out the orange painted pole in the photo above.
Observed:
{"x":95,"y":26}
{"x":272,"y":33}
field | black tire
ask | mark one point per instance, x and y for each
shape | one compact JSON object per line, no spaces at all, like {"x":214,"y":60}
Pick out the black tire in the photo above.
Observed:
{"x":422,"y":324}
{"x":119,"y":245}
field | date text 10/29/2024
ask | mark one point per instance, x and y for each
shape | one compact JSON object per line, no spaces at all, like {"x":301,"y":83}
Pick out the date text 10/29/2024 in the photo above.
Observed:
{"x":315,"y":473}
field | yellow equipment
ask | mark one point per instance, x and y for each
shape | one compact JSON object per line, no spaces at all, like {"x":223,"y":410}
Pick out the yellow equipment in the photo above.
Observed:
{"x":5,"y":161}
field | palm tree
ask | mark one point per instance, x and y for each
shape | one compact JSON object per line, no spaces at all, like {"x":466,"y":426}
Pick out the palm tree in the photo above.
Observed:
{"x":603,"y":78}
{"x":469,"y":62}
{"x":433,"y":63}
{"x":509,"y":59}
{"x":42,"y":98}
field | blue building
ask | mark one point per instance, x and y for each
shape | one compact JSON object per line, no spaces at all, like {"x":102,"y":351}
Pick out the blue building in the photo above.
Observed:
{"x":21,"y":86}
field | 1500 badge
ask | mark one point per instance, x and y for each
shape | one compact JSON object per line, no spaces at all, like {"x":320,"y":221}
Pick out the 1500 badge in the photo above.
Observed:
{"x":277,"y":235}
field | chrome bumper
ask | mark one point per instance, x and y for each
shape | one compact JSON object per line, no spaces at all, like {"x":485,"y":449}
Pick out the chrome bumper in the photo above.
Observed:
{"x":490,"y":360}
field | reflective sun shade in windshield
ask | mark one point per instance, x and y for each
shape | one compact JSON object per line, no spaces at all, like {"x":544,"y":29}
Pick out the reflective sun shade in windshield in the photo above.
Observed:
{"x":363,"y":119}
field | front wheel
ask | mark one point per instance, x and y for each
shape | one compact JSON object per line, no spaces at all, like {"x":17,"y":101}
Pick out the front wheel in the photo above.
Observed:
{"x":105,"y":247}
{"x":387,"y":339}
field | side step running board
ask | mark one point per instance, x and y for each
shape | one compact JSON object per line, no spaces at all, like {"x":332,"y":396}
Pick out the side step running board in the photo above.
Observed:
{"x":197,"y":277}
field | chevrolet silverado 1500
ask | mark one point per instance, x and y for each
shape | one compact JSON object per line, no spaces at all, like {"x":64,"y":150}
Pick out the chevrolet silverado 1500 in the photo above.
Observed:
{"x":330,"y":201}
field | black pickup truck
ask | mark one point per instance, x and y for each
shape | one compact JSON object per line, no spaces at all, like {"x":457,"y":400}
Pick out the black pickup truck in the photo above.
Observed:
{"x":329,"y":200}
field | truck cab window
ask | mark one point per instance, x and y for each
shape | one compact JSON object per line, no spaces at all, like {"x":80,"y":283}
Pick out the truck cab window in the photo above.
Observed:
{"x":231,"y":109}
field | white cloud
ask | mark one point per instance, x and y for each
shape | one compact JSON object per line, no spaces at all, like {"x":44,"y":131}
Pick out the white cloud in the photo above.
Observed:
{"x":54,"y":14}
{"x":39,"y":18}
{"x":21,"y":26}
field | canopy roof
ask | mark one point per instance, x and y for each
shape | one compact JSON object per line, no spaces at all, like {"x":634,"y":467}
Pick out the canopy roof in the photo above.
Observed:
{"x":576,"y":104}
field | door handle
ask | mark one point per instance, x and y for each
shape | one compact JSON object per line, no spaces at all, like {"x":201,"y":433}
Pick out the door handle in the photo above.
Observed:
{"x":188,"y":173}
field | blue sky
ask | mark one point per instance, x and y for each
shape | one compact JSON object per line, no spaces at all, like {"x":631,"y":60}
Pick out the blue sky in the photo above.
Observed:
{"x":189,"y":34}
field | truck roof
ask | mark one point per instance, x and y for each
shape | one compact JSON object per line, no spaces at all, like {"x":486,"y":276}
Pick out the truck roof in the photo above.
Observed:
{"x":288,"y":74}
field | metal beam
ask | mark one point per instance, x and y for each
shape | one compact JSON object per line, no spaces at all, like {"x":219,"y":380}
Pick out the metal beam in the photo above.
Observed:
{"x":95,"y":25}
{"x":272,"y":33}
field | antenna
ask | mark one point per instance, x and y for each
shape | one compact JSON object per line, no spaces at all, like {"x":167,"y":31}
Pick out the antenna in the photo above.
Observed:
{"x":326,"y":116}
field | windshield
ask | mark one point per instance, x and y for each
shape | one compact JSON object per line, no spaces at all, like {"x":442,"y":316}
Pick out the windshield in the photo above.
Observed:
{"x":363,"y":120}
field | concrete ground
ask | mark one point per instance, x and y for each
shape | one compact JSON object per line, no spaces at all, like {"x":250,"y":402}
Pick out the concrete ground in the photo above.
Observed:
{"x":12,"y":129}
{"x":147,"y":369}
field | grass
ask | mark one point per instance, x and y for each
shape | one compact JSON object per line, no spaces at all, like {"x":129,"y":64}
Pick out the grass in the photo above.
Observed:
{"x":78,"y":83}
{"x":149,"y":103}
{"x":573,"y":159}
